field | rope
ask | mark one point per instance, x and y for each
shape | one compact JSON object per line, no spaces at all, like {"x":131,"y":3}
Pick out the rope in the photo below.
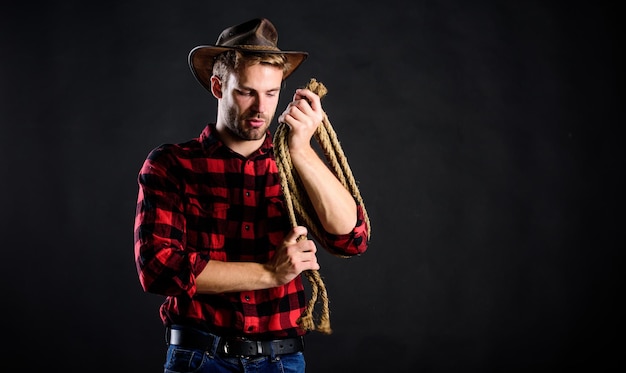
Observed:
{"x":299,"y":206}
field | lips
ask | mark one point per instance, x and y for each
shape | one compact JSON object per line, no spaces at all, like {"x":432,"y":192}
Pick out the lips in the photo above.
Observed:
{"x":256,"y":122}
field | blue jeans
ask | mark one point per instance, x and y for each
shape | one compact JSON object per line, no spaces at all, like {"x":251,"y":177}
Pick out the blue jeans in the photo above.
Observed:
{"x":185,"y":360}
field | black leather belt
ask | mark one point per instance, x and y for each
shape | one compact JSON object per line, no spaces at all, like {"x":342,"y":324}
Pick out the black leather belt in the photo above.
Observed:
{"x":233,"y":346}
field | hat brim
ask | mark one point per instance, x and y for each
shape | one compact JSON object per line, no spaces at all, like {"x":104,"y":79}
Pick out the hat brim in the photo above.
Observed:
{"x":202,"y":57}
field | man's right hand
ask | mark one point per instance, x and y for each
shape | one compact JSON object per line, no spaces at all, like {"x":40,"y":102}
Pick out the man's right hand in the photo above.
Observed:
{"x":294,"y":256}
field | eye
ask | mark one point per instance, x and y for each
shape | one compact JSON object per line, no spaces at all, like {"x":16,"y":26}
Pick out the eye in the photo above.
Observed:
{"x":244,"y":92}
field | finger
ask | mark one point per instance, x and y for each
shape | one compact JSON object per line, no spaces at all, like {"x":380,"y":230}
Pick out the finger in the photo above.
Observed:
{"x":312,"y":99}
{"x":308,"y":247}
{"x":310,"y":260}
{"x":297,"y":113}
{"x":290,"y":113}
{"x":295,"y":234}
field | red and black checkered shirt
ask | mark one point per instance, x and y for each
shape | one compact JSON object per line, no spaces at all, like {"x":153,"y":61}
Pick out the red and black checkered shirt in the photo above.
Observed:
{"x":200,"y":201}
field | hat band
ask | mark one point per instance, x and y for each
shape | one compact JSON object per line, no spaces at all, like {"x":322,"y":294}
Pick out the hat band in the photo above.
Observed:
{"x":258,"y":47}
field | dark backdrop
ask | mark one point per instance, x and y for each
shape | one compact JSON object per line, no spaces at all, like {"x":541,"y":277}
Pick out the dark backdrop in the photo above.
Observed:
{"x":486,"y":137}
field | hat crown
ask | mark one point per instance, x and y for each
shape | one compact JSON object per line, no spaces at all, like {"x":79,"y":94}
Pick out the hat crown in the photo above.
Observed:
{"x":257,"y":35}
{"x":258,"y":32}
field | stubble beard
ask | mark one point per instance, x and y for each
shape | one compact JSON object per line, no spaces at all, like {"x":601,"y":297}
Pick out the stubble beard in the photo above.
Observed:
{"x":238,"y":128}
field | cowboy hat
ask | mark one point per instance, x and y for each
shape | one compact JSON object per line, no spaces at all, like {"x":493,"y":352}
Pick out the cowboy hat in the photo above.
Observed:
{"x":257,"y":35}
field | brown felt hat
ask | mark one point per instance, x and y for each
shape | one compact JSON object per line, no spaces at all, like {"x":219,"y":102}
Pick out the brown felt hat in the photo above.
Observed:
{"x":256,"y":35}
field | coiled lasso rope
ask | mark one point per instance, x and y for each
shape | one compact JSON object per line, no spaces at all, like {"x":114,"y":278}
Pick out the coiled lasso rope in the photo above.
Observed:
{"x":300,"y":207}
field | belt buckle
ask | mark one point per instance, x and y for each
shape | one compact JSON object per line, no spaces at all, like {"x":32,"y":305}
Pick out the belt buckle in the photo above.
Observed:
{"x":226,"y":350}
{"x":226,"y":347}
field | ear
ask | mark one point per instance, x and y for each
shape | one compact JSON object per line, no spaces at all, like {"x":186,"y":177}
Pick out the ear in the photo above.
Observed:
{"x":216,"y":87}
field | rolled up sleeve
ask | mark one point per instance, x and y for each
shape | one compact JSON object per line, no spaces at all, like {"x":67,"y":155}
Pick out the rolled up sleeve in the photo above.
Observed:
{"x":164,"y":267}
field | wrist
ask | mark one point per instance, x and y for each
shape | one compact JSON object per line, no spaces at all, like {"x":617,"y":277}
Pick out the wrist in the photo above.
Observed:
{"x":302,"y":152}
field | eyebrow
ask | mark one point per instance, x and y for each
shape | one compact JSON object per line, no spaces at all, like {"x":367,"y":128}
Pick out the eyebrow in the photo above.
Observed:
{"x":246,"y":88}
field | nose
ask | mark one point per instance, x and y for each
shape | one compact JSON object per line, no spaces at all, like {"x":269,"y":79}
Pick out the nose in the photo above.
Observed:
{"x":260,"y":103}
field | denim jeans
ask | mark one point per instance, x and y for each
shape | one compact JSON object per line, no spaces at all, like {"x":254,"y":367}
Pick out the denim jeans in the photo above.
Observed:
{"x":185,"y":360}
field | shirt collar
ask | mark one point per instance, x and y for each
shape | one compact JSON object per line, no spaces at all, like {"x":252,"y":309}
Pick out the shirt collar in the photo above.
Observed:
{"x":212,"y":144}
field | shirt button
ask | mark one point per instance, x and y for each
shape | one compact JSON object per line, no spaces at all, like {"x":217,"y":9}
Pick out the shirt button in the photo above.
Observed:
{"x":247,"y":297}
{"x":247,"y":227}
{"x":250,"y":328}
{"x":247,"y":194}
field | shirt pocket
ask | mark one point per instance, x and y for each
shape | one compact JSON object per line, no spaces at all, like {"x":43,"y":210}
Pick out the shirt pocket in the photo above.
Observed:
{"x":207,"y":222}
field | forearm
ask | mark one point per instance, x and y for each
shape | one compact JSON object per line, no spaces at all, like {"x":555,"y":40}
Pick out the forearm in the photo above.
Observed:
{"x":288,"y":262}
{"x":334,"y":205}
{"x":224,"y":277}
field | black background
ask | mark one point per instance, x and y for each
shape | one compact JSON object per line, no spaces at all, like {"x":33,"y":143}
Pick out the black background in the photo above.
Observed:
{"x":486,"y":137}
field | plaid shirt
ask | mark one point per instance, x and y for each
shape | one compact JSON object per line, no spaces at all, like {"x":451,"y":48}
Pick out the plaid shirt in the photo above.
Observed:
{"x":200,"y":201}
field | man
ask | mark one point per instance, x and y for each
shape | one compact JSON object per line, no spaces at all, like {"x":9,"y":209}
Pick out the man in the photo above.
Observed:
{"x":211,"y":229}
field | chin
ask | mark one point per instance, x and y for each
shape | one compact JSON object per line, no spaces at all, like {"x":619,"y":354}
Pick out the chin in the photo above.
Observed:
{"x":254,"y":134}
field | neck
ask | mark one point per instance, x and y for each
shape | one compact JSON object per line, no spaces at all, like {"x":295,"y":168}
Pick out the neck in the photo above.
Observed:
{"x":236,"y":143}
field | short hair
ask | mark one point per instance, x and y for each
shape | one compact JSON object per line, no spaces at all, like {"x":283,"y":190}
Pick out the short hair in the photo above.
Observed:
{"x":233,"y":60}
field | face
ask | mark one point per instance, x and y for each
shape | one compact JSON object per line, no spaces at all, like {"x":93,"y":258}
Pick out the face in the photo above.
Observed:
{"x":248,"y":101}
